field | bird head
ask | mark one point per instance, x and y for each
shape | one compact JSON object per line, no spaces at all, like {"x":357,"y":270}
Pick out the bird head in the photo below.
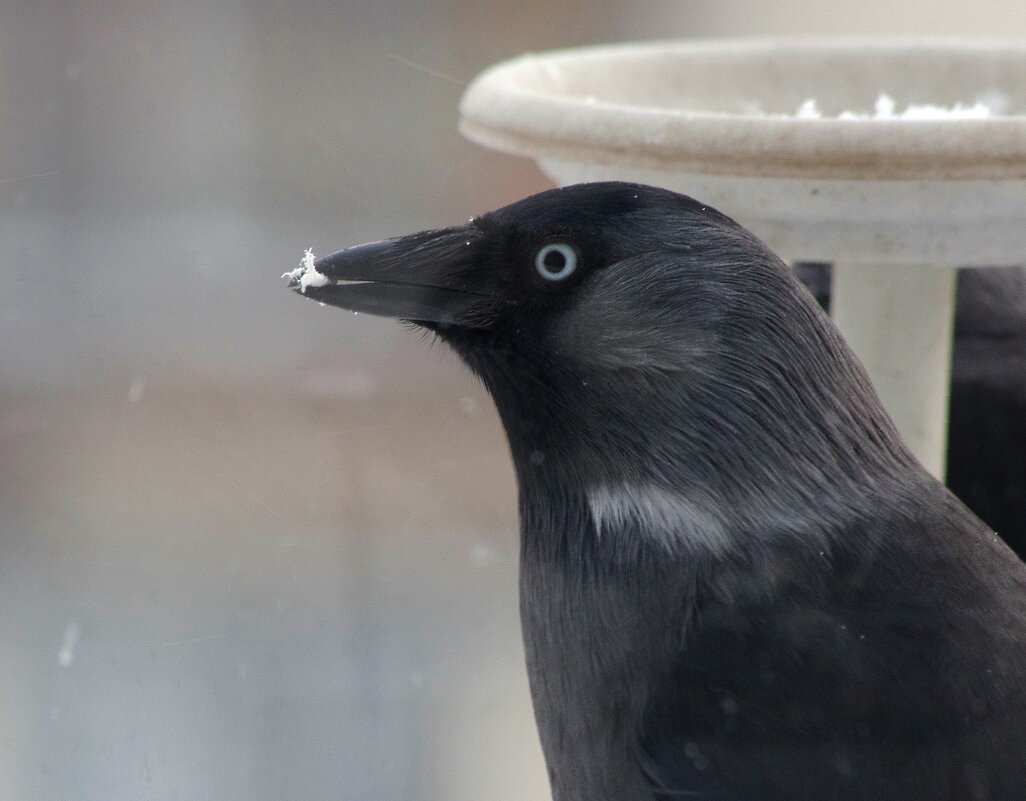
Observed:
{"x":586,"y":279}
{"x":630,"y":333}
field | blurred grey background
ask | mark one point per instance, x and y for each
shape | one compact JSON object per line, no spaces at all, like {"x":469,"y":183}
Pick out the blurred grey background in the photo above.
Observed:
{"x":251,"y":548}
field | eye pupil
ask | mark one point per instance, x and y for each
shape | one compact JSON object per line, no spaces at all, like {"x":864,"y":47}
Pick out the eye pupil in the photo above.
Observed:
{"x":556,"y":261}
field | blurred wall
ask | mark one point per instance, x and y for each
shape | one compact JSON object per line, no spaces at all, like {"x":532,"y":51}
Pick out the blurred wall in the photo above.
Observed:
{"x":125,"y":122}
{"x":251,"y":548}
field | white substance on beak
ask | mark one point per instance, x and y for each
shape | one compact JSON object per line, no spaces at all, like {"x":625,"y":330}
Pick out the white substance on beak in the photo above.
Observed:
{"x":306,"y":274}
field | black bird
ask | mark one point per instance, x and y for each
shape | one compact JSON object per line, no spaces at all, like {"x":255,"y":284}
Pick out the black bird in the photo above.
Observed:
{"x":736,"y":581}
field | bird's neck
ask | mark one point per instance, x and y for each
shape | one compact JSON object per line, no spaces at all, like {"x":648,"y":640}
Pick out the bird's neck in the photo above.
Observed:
{"x":619,"y":531}
{"x":699,"y":468}
{"x":634,"y":488}
{"x":596,"y":635}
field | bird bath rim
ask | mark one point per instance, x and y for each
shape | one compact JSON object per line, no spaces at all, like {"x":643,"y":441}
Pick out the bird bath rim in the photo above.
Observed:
{"x":689,"y":106}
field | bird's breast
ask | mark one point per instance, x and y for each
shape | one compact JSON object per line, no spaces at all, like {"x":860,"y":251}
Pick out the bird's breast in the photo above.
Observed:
{"x":595,"y":638}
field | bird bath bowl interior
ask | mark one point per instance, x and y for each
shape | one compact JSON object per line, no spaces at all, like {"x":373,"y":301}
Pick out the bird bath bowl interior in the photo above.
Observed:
{"x":894,"y":203}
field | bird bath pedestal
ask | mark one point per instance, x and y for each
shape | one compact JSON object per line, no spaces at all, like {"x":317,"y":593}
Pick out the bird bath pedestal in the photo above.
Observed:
{"x":790,"y":139}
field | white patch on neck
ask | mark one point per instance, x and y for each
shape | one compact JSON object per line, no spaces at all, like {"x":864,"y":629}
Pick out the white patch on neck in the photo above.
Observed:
{"x":665,"y":517}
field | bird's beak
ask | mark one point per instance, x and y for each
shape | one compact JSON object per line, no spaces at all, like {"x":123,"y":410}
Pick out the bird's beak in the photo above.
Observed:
{"x":426,"y":277}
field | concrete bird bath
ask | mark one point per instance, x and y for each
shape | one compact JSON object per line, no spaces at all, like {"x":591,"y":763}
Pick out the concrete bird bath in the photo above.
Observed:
{"x":895,"y":201}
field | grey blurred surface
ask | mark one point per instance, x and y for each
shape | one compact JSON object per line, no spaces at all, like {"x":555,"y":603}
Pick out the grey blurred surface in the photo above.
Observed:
{"x":251,"y":548}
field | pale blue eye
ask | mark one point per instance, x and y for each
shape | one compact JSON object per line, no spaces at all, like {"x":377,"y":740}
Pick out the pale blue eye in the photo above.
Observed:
{"x":556,"y":261}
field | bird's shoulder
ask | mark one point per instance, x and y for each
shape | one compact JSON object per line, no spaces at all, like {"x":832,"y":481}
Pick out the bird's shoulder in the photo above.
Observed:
{"x":893,"y":666}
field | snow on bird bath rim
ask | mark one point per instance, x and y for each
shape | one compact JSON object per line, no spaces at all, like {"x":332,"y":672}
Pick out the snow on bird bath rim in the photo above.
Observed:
{"x":885,"y":108}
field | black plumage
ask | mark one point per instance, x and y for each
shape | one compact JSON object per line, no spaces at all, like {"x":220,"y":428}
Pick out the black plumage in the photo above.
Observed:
{"x":987,"y":426}
{"x":736,"y":581}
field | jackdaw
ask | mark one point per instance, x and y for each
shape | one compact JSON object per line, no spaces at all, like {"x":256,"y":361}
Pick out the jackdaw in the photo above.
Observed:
{"x":736,"y":581}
